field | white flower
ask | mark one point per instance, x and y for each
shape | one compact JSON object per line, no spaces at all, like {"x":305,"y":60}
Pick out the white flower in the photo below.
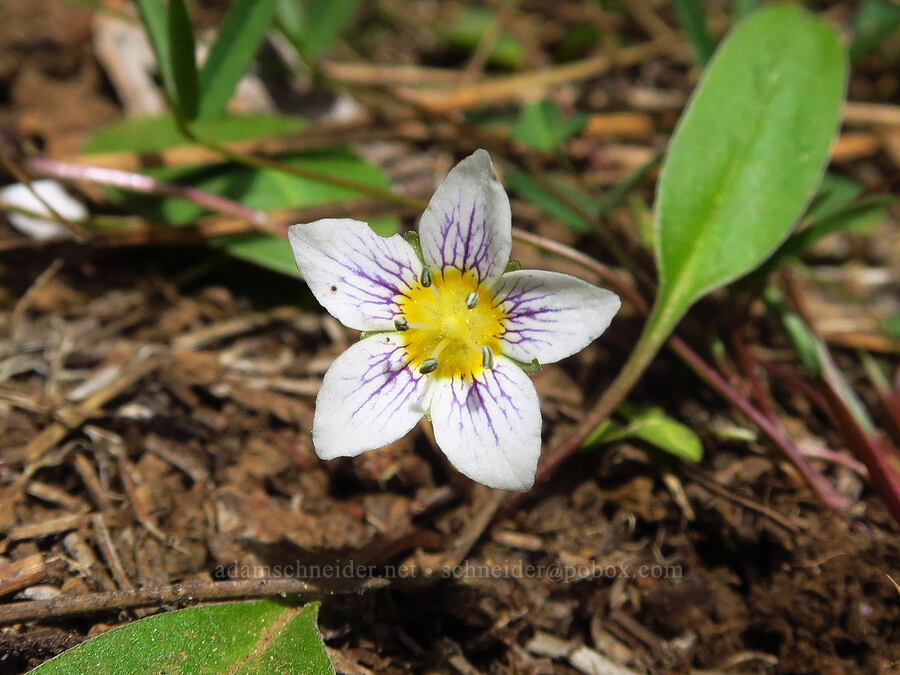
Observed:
{"x":452,"y":330}
{"x":21,"y":196}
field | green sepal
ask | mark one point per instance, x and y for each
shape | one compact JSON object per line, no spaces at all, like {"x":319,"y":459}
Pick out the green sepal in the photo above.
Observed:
{"x":412,"y":238}
{"x":369,"y":333}
{"x":512,"y":266}
{"x":529,"y":368}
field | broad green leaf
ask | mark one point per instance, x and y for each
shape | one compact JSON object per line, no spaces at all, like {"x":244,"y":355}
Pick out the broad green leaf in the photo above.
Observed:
{"x":541,"y":125}
{"x":153,"y":18}
{"x":875,"y":21}
{"x":314,"y":25}
{"x":653,"y":426}
{"x":153,"y":134}
{"x":465,"y":32}
{"x":237,"y":638}
{"x":747,"y":154}
{"x":182,"y":61}
{"x":692,"y":19}
{"x":263,"y":189}
{"x":255,"y":188}
{"x":230,"y":55}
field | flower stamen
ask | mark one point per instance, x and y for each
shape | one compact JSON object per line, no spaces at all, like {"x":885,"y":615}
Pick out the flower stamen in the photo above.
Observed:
{"x":472,"y":300}
{"x":400,"y":323}
{"x":487,"y":357}
{"x":428,"y":366}
{"x":425,"y":279}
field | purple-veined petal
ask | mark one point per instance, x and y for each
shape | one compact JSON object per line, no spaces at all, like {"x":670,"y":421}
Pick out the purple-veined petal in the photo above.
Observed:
{"x":490,"y":427}
{"x":354,"y":273}
{"x":368,"y":399}
{"x":467,"y":224}
{"x":550,"y":315}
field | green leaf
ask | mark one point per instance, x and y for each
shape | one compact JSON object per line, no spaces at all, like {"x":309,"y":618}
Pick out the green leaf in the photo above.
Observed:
{"x":743,"y":8}
{"x":262,"y":189}
{"x":153,"y":134}
{"x":313,"y":26}
{"x":153,"y":17}
{"x":274,"y":253}
{"x":465,"y":32}
{"x":541,"y":126}
{"x":804,"y":342}
{"x":230,"y":55}
{"x":182,"y":61}
{"x":747,"y":155}
{"x":529,"y":189}
{"x":690,"y":14}
{"x":891,"y":325}
{"x":247,"y":637}
{"x":875,"y":21}
{"x":653,"y":426}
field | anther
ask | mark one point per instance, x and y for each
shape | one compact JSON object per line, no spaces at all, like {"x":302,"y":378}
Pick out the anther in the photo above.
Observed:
{"x":400,"y":323}
{"x":471,"y":300}
{"x":428,"y":365}
{"x":487,"y":357}
{"x":426,"y":277}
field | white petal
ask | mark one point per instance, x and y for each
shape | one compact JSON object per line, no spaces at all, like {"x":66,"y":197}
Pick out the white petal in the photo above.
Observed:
{"x":21,"y":196}
{"x":354,"y":273}
{"x":490,"y":428}
{"x":368,"y":399}
{"x":467,"y":224}
{"x":551,"y":316}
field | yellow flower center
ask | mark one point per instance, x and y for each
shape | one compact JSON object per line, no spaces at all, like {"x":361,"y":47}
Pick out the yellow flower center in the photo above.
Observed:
{"x":451,"y":321}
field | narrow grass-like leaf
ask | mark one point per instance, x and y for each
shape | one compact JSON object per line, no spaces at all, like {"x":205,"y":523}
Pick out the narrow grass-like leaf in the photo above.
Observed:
{"x":747,"y":154}
{"x":692,"y":19}
{"x":239,"y":638}
{"x":153,"y":18}
{"x":183,"y":63}
{"x":230,"y":55}
{"x":314,"y":25}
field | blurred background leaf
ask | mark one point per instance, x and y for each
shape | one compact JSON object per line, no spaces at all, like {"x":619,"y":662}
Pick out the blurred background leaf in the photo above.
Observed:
{"x":182,"y":59}
{"x":875,"y":21}
{"x":542,"y":126}
{"x":229,"y":57}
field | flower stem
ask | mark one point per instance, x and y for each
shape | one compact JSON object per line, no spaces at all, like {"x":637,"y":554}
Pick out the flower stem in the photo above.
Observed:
{"x":653,"y":337}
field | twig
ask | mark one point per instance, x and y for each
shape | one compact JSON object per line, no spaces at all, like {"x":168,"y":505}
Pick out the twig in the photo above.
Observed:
{"x":180,"y":595}
{"x":22,"y":573}
{"x":136,"y":182}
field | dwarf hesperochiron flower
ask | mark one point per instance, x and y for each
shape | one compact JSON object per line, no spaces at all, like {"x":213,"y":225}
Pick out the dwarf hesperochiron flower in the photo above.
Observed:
{"x":448,"y":330}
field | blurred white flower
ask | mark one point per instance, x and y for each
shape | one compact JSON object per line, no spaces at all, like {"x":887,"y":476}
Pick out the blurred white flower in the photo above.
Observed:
{"x":452,"y":329}
{"x":20,"y":196}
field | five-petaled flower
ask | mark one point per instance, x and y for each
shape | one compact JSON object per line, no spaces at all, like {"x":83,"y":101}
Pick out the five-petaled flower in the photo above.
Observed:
{"x":450,"y":330}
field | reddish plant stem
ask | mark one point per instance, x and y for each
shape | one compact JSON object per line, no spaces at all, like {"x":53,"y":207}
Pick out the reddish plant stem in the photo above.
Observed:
{"x":762,"y":397}
{"x":804,"y":387}
{"x":136,"y":182}
{"x":869,"y":450}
